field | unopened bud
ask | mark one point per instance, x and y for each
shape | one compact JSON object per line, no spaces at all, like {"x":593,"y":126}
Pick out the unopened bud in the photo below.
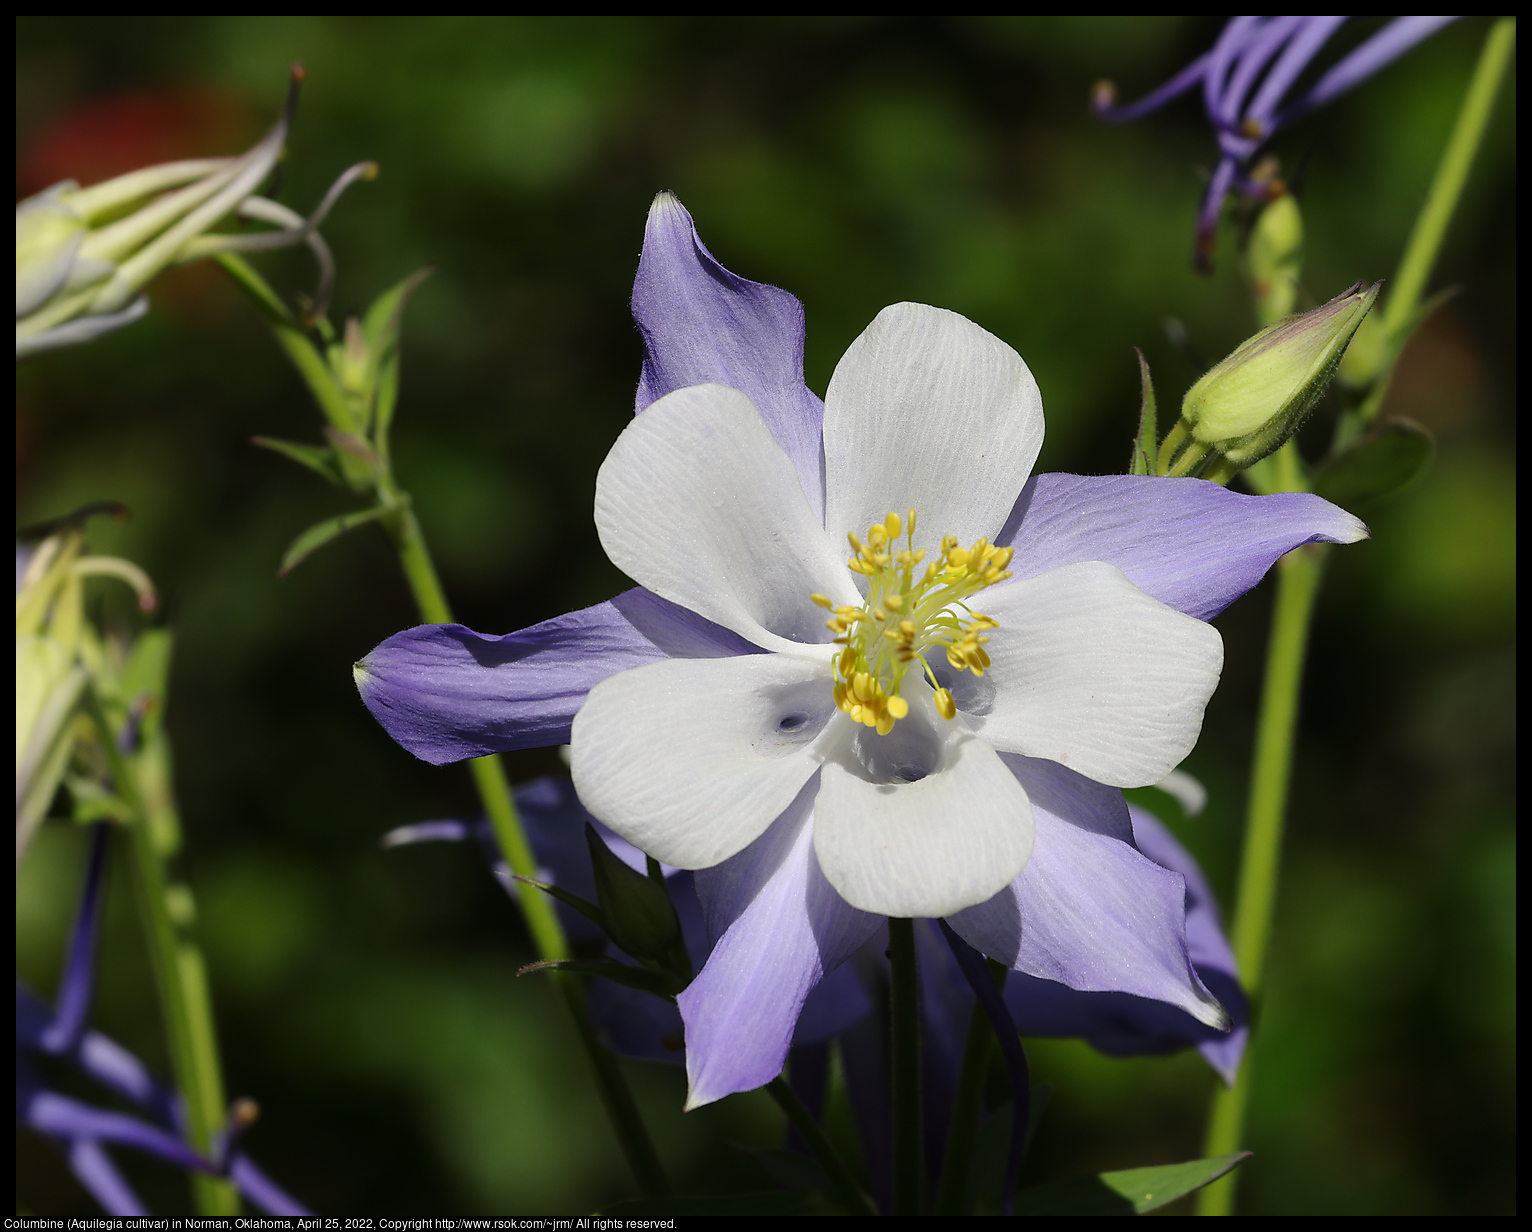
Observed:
{"x":1250,"y":404}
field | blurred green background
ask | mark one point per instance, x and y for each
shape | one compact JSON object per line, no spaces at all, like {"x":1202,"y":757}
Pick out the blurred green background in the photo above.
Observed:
{"x":368,"y":999}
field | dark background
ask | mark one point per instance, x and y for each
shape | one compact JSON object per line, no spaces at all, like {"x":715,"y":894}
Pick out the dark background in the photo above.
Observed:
{"x":368,"y":999}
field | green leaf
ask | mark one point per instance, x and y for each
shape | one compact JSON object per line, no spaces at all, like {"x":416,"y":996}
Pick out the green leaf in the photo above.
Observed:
{"x":1381,"y":462}
{"x":358,"y":463}
{"x":381,"y":324}
{"x":317,"y":376}
{"x":1130,"y":1192}
{"x":774,"y":1203}
{"x":573,"y":901}
{"x":1146,"y":447}
{"x":641,"y":978}
{"x":321,"y":533}
{"x":316,"y":457}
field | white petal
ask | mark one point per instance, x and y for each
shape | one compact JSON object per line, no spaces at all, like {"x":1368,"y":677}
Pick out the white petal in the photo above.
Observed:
{"x":947,"y":840}
{"x":699,"y":504}
{"x":928,"y":411}
{"x":1089,"y":671}
{"x":691,"y":759}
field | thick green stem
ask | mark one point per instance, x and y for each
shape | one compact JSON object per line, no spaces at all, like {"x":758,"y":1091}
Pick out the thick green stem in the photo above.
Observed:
{"x":904,"y":1062}
{"x":1298,"y":577}
{"x":180,"y":979}
{"x":1425,"y":242}
{"x":849,"y":1191}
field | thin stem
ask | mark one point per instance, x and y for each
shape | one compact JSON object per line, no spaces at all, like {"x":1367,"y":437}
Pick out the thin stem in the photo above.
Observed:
{"x":904,"y":1056}
{"x":1424,"y":244}
{"x":1298,"y":577}
{"x":814,"y":1137}
{"x":967,"y":1104}
{"x":542,"y":922}
{"x":180,"y":978}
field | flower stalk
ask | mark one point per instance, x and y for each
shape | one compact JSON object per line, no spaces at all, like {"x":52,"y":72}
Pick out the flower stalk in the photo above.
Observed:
{"x":1298,"y":578}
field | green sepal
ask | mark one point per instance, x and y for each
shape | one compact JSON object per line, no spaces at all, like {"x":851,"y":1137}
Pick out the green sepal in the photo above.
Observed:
{"x":321,"y":533}
{"x":380,"y":327}
{"x":1383,"y":461}
{"x":1146,"y":445}
{"x":657,"y":983}
{"x":641,"y":918}
{"x":571,"y":900}
{"x":317,"y":458}
{"x":1132,"y":1191}
{"x":317,"y":376}
{"x":358,"y":462}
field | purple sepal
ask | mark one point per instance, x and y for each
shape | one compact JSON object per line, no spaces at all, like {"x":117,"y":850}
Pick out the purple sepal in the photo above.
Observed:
{"x":447,"y":693}
{"x":1191,"y":544}
{"x":701,"y":324}
{"x":94,"y":1169}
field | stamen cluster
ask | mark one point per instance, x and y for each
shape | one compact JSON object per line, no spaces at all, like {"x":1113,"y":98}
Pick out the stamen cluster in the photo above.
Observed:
{"x":902,"y":618}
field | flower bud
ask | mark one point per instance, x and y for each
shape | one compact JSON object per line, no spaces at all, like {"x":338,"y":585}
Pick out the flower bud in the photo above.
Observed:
{"x":1275,"y":257}
{"x":639,"y":913}
{"x":1250,"y":404}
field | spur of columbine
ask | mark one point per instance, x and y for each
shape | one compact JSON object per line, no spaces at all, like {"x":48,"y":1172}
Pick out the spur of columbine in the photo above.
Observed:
{"x":819,"y":785}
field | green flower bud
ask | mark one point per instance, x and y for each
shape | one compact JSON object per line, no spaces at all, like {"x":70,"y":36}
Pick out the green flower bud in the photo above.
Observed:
{"x":1251,"y":403}
{"x":638,"y":911}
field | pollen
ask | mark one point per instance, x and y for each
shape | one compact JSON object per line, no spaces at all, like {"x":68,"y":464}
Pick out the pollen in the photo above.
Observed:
{"x":905,"y":618}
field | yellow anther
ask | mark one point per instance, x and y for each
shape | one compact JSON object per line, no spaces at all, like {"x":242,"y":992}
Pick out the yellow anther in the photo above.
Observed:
{"x":911,"y":521}
{"x":898,"y":707}
{"x":822,"y":600}
{"x":879,"y":615}
{"x":894,"y":601}
{"x":945,"y":706}
{"x":957,"y":558}
{"x":891,"y":525}
{"x":876,"y":536}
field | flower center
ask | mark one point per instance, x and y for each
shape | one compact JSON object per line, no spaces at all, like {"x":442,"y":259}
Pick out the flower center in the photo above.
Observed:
{"x":903,"y":618}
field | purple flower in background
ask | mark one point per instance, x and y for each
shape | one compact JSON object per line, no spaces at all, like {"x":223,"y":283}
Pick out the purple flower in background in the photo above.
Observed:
{"x":85,"y":1131}
{"x":1246,"y":79}
{"x":717,"y":727}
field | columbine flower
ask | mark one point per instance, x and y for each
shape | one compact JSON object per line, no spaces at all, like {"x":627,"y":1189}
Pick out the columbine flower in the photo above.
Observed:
{"x":1247,"y":108}
{"x":718,"y":726}
{"x":83,"y":255}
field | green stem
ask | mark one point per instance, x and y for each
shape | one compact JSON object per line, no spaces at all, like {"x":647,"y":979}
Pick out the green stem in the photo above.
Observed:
{"x":967,"y":1104}
{"x":1298,"y":577}
{"x":1424,"y":244}
{"x":180,"y":978}
{"x":857,"y":1202}
{"x":904,"y":1060}
{"x":542,"y":922}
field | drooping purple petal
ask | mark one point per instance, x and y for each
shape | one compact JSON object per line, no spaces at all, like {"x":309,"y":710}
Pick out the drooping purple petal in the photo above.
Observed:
{"x":1191,"y":544}
{"x":1105,"y":109}
{"x":1311,"y":36}
{"x":1210,"y":951}
{"x":1253,"y":57}
{"x":1236,"y":36}
{"x":702,"y":324}
{"x":780,"y":926}
{"x":262,"y":1190}
{"x":447,"y":693}
{"x":1386,"y":45}
{"x":1092,"y":913}
{"x":67,"y":1118}
{"x":94,"y":1169}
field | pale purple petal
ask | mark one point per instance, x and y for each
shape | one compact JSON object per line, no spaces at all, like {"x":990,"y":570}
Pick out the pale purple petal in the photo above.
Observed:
{"x":94,"y":1169}
{"x":1191,"y":544}
{"x":1388,"y":43}
{"x":1236,"y":36}
{"x":1091,"y":912}
{"x":1256,"y":55}
{"x":262,"y":1190}
{"x":446,"y":693}
{"x":1210,"y":951}
{"x":780,"y":927}
{"x":701,"y":325}
{"x":1306,"y":44}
